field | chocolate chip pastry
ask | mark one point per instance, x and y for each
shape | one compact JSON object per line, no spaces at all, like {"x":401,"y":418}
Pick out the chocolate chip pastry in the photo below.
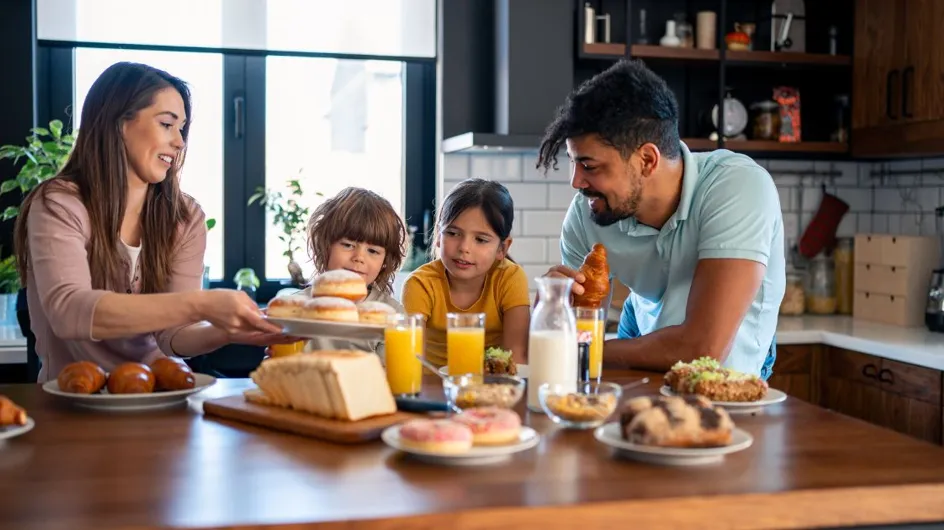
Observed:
{"x":684,"y":421}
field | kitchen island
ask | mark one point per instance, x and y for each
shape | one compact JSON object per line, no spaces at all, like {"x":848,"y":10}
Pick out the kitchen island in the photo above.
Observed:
{"x":808,"y":467}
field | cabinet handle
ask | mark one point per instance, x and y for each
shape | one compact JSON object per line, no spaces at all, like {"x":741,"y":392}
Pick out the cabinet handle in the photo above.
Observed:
{"x":239,"y":116}
{"x":890,"y":80}
{"x":907,"y":87}
{"x":890,"y":379}
{"x":870,"y":371}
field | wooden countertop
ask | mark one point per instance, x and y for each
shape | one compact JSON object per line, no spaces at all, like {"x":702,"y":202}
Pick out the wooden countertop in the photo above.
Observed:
{"x":807,"y":467}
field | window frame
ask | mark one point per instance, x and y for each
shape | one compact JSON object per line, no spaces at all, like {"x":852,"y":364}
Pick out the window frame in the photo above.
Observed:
{"x":244,"y":76}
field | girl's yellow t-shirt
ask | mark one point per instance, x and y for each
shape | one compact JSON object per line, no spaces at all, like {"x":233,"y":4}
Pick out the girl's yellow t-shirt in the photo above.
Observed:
{"x":426,"y":291}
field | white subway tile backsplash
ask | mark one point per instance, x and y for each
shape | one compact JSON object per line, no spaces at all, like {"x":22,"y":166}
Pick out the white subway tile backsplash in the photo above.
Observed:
{"x":859,"y":200}
{"x":880,"y":224}
{"x":504,"y":168}
{"x":535,"y":271}
{"x":791,"y":225}
{"x":791,"y":166}
{"x":888,"y":200}
{"x":519,"y":222}
{"x":528,"y":250}
{"x":928,"y":224}
{"x":786,"y":198}
{"x":811,"y":198}
{"x":928,"y":198}
{"x":455,"y":167}
{"x":561,"y":174}
{"x":847,"y":226}
{"x":864,"y":225}
{"x":554,"y":251}
{"x":786,"y":180}
{"x":560,"y":196}
{"x":894,"y":223}
{"x":528,"y":196}
{"x":543,"y":223}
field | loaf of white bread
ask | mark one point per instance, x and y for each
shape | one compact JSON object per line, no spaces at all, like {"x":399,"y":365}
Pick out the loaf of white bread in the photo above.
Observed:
{"x":343,"y":384}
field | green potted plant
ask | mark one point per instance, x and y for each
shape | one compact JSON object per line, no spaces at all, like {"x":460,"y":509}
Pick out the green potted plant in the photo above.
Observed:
{"x":247,"y":281}
{"x":291,"y":217}
{"x":45,"y":152}
{"x":9,"y":288}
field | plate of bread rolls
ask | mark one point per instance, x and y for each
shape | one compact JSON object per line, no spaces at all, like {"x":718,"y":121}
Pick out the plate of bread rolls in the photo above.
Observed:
{"x":13,"y":420}
{"x":131,"y":386}
{"x":333,"y":309}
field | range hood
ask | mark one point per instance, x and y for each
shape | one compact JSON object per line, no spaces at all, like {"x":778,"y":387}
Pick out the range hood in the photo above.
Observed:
{"x":531,"y":75}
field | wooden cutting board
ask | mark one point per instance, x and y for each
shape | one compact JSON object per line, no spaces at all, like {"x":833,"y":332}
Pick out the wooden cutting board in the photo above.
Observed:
{"x":282,"y":419}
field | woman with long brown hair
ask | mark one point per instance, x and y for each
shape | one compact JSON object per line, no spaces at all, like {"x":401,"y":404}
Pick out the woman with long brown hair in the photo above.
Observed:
{"x":111,"y":250}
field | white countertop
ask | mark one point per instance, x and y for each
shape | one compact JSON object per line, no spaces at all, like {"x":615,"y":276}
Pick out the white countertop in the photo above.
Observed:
{"x":916,"y":346}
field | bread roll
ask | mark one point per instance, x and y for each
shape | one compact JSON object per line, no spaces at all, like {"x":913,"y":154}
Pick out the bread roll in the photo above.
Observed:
{"x":172,"y":374}
{"x":287,"y":306}
{"x":82,"y":377}
{"x":374,"y":312}
{"x":10,"y":413}
{"x":330,"y":308}
{"x":131,"y":378}
{"x":341,"y":284}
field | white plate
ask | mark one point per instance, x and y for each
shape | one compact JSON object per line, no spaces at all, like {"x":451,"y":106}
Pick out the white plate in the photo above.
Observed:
{"x":477,"y":456}
{"x":322,"y":328}
{"x":609,"y":434}
{"x":773,"y":396}
{"x":15,"y":430}
{"x":131,"y":402}
{"x":522,"y":371}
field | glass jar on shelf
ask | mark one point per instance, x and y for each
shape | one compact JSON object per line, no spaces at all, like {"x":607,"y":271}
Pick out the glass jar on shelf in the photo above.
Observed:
{"x":793,"y":297}
{"x":821,"y":286}
{"x":845,"y":269}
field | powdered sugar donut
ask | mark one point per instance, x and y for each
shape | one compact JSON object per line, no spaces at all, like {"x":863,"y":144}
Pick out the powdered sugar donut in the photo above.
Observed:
{"x":330,"y":308}
{"x":287,"y":306}
{"x":491,"y":425}
{"x":340,"y":283}
{"x":374,"y":312}
{"x":436,"y":436}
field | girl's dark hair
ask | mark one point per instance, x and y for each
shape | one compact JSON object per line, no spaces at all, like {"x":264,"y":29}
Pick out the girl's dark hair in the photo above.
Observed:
{"x":361,"y":216}
{"x":493,"y":198}
{"x":96,"y":172}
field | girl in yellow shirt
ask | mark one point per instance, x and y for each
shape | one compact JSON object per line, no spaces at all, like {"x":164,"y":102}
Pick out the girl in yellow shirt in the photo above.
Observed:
{"x":473,"y":273}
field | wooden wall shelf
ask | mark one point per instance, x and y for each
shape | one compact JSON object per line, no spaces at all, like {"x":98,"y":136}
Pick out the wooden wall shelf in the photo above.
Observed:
{"x":644,"y":51}
{"x":700,"y":144}
{"x":786,"y":147}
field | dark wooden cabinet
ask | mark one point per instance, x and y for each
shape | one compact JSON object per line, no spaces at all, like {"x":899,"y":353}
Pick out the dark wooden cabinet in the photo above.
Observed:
{"x":898,"y":76}
{"x":794,"y":371}
{"x":899,"y":396}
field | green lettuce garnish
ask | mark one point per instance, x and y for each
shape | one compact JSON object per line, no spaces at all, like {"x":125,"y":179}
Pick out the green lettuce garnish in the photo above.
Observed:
{"x":497,"y":353}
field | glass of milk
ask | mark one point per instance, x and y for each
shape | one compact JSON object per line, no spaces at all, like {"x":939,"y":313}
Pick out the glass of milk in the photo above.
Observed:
{"x":552,"y":343}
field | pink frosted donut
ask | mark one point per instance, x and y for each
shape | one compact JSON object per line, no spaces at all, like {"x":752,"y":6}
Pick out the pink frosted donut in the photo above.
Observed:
{"x":491,"y":425}
{"x":436,"y":436}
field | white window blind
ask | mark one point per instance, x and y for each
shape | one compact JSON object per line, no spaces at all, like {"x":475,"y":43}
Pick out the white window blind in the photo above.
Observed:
{"x":390,"y":28}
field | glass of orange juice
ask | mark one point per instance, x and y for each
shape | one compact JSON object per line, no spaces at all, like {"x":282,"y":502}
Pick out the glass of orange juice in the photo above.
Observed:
{"x":403,"y":341}
{"x":465,"y":343}
{"x":593,"y":320}
{"x":284,"y":350}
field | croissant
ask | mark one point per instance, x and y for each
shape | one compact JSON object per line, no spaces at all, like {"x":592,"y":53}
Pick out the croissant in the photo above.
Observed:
{"x":10,"y":413}
{"x":172,"y":374}
{"x":82,"y":377}
{"x":596,"y":286}
{"x":131,"y":378}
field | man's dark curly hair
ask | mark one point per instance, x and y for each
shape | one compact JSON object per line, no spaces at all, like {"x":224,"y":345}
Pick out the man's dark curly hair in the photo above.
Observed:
{"x":627,"y":106}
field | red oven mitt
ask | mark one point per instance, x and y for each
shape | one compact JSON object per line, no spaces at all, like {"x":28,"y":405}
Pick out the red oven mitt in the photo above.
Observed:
{"x":821,"y":231}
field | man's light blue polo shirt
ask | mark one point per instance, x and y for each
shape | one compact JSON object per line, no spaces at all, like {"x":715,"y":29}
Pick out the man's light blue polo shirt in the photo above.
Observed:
{"x":729,"y":209}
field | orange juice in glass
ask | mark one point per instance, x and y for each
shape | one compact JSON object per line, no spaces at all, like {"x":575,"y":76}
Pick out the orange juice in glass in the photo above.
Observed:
{"x":403,"y":341}
{"x":593,"y":320}
{"x":465,"y":343}
{"x":284,"y":350}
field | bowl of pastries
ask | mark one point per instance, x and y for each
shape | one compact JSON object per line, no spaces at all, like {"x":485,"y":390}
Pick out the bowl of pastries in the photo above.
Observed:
{"x":585,"y":407}
{"x":469,"y":391}
{"x":164,"y":383}
{"x":334,"y":308}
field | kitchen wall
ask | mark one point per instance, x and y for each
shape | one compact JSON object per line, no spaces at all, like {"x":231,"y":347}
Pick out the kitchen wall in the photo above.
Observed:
{"x":898,"y":204}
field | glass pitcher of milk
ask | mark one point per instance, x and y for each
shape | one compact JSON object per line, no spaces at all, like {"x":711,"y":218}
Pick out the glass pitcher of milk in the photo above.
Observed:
{"x":552,"y":343}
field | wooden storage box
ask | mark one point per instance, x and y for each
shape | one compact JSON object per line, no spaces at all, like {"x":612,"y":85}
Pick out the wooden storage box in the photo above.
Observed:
{"x":892,"y":276}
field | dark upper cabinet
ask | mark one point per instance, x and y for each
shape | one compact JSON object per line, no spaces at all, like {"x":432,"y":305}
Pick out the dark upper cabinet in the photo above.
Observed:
{"x":898,"y":79}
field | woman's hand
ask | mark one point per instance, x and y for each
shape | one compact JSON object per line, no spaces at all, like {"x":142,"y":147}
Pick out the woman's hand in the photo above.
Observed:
{"x":255,"y":338}
{"x":234,"y":313}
